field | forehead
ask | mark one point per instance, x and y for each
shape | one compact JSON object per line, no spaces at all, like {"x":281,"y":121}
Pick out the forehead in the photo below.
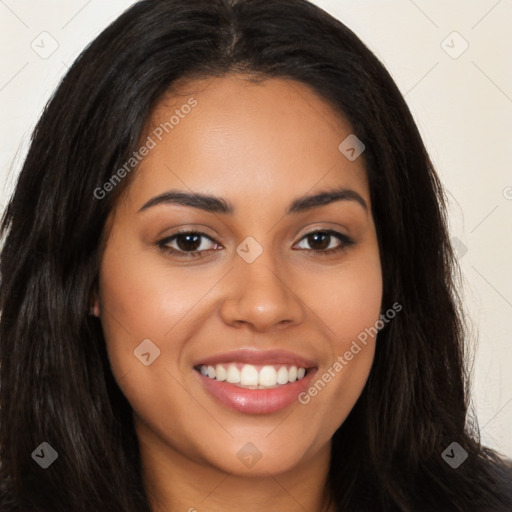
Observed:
{"x":275,"y":137}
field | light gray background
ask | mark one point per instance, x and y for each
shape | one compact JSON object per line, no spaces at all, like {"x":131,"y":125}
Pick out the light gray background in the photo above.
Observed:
{"x":462,"y":103}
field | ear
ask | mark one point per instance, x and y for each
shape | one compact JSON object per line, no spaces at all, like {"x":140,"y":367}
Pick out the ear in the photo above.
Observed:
{"x":94,"y":308}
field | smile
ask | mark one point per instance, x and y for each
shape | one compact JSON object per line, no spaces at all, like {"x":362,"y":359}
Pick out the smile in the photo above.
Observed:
{"x":253,"y":381}
{"x":254,"y":376}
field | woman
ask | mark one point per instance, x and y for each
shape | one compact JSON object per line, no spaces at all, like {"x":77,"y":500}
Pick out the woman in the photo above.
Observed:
{"x":227,"y":281}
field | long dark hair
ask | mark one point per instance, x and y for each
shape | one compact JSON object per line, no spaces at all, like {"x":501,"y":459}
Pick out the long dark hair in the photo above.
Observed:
{"x":56,"y":385}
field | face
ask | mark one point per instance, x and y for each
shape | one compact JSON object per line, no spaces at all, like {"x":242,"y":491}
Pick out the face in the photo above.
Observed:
{"x":234,"y":318}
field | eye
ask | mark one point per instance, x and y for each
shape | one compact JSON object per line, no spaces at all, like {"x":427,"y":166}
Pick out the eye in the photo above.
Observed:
{"x":191,"y":244}
{"x":324,"y":241}
{"x":187,"y":244}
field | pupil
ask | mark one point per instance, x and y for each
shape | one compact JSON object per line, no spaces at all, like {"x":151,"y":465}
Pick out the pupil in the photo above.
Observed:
{"x":312,"y":239}
{"x":192,"y":242}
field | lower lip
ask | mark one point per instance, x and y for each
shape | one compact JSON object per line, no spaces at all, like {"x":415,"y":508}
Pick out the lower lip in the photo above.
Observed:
{"x":256,"y":401}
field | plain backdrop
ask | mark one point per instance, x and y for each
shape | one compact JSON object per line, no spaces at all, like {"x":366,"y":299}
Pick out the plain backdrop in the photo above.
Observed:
{"x":451,"y":60}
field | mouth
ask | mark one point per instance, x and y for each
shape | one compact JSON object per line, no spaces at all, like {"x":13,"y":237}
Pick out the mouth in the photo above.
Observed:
{"x":251,"y":376}
{"x":255,"y":382}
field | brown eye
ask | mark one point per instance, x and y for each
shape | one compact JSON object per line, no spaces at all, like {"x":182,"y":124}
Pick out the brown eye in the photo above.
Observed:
{"x":319,"y":241}
{"x":326,"y":241}
{"x":187,"y":244}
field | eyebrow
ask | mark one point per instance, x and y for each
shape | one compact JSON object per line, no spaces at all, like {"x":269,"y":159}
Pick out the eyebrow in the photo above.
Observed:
{"x":215,"y":204}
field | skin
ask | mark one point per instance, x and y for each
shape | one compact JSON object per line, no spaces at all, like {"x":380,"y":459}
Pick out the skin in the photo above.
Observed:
{"x":259,"y":146}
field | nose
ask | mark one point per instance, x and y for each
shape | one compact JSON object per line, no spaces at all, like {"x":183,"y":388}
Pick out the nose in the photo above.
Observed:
{"x":258,"y":296}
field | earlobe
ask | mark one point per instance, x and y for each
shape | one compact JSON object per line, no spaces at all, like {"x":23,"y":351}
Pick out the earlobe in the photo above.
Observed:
{"x":94,"y":308}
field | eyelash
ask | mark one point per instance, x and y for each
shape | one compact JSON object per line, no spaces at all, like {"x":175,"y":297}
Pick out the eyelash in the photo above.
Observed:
{"x":345,"y":242}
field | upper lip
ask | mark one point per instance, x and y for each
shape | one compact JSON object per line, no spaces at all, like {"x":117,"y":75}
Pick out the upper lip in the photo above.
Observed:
{"x":259,"y":357}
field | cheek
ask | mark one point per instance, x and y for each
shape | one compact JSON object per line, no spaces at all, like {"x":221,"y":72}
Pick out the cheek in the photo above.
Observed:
{"x":141,"y":297}
{"x":348,"y":302}
{"x":140,"y":300}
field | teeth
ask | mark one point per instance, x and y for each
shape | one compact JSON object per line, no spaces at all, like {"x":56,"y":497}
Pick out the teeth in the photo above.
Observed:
{"x":282,"y":375}
{"x":221,"y":372}
{"x":249,"y":376}
{"x":233,"y":374}
{"x":268,"y":376}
